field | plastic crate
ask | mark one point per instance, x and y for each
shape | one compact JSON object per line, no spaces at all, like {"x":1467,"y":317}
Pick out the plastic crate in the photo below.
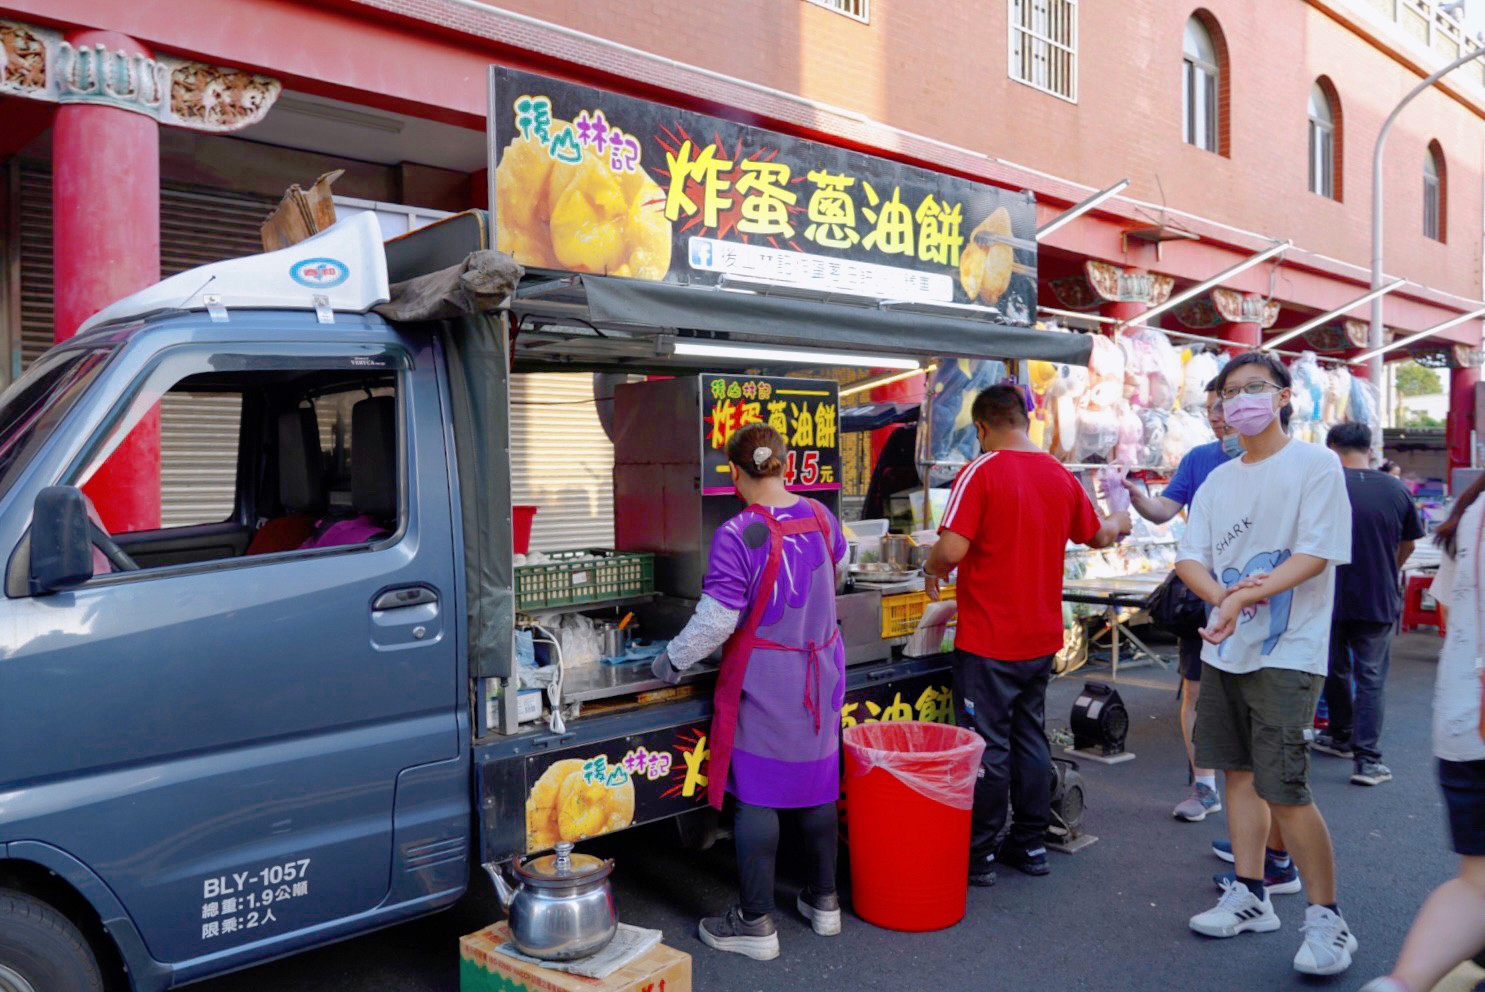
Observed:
{"x":576,"y":578}
{"x":902,"y":611}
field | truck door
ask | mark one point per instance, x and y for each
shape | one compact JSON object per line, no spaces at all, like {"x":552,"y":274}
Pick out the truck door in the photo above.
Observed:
{"x":221,"y":733}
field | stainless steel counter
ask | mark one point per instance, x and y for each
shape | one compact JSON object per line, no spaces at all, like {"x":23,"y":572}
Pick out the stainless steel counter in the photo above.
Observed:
{"x":586,"y":683}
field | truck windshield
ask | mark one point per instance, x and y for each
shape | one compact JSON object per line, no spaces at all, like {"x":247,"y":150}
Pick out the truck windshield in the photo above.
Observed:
{"x":36,"y":402}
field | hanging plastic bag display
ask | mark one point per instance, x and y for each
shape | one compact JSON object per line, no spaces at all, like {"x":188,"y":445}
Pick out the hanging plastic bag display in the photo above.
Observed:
{"x":1151,"y":368}
{"x":1337,"y":396}
{"x":1131,"y":444}
{"x":1309,"y":388}
{"x":1156,"y":424}
{"x":1186,"y":431}
{"x":1365,"y":405}
{"x":946,"y":431}
{"x":1200,"y":369}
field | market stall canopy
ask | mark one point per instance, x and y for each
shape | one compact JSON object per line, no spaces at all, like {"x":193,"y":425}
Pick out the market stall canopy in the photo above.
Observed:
{"x":583,"y":321}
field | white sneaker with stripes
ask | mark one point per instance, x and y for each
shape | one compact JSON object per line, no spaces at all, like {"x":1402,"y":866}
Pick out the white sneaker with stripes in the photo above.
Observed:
{"x":1328,"y":944}
{"x":1237,"y":911}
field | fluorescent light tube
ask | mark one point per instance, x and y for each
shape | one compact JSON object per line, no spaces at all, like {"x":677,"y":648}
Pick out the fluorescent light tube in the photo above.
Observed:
{"x":801,"y":356}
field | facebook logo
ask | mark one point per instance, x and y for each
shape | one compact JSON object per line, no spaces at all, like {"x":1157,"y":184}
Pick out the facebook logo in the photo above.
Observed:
{"x":701,"y":254}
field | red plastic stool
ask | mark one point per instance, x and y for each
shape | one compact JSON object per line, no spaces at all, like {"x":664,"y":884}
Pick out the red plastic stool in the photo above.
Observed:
{"x":1415,"y":614}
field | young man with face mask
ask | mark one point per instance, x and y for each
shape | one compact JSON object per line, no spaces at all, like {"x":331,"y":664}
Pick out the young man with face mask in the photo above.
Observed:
{"x":1193,"y":470}
{"x":1006,"y":528}
{"x":1265,"y":535}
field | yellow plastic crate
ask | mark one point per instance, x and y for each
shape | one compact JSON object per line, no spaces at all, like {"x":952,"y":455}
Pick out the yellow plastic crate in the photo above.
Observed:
{"x":902,"y":611}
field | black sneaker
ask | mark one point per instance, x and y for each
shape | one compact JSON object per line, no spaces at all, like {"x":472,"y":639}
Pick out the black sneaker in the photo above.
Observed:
{"x":1326,"y":744}
{"x":823,"y":911}
{"x":982,"y":870}
{"x":756,"y":939}
{"x":1031,"y":861}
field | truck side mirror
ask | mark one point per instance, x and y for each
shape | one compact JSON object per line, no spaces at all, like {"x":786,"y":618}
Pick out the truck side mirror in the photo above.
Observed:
{"x":61,"y":549}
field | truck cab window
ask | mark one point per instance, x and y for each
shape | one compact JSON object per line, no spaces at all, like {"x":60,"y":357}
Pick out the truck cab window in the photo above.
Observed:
{"x":258,"y":462}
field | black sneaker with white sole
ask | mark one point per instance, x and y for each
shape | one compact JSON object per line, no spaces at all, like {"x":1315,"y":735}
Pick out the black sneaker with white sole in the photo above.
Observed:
{"x":1371,"y":773}
{"x":1031,"y":861}
{"x":982,"y":870}
{"x":734,"y":933}
{"x":823,"y":911}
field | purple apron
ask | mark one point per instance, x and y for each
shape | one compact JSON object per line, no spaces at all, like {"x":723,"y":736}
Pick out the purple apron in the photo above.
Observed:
{"x":775,"y":732}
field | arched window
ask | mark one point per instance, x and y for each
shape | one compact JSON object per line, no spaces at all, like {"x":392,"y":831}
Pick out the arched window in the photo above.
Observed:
{"x":1325,"y":144}
{"x":1201,"y":86}
{"x":1435,"y":193}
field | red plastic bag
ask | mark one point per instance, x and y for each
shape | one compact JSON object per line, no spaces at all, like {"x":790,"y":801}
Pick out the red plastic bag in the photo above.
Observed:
{"x":935,"y":760}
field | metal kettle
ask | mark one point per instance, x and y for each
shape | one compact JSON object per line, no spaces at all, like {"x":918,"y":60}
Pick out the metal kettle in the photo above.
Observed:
{"x":562,"y":908}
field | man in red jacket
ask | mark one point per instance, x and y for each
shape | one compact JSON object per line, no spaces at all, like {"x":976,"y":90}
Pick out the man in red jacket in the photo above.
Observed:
{"x":1009,"y":519}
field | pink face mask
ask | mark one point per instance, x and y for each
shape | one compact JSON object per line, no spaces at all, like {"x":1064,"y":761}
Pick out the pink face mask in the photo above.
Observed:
{"x":1249,"y":415}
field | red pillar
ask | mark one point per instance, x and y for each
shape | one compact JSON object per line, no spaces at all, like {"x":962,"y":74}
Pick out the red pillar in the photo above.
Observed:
{"x":106,"y":235}
{"x":1243,"y":337}
{"x":1461,"y":415}
{"x":1122,"y":311}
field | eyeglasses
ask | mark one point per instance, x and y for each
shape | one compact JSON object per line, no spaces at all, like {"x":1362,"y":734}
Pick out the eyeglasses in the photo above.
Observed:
{"x":1255,"y":388}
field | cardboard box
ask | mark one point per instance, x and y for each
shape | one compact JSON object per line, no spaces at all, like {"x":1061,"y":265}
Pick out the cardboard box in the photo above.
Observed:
{"x":484,"y":969}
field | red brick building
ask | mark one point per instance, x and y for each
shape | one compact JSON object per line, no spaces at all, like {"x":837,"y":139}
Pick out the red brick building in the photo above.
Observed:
{"x":1236,"y":123}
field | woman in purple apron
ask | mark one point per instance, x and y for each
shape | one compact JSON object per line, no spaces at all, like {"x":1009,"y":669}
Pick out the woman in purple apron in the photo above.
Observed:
{"x":769,"y":594}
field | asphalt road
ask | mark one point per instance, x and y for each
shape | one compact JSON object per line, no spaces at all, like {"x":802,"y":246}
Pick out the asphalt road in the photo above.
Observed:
{"x":1111,"y":918}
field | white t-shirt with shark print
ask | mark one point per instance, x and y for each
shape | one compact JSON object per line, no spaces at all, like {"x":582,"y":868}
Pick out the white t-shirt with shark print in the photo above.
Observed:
{"x":1248,"y":519}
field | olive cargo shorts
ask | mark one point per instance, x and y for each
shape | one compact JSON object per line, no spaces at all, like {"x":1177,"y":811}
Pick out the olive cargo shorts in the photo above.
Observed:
{"x":1261,"y":722}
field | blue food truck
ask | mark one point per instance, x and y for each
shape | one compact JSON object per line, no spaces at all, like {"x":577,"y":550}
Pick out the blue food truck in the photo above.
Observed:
{"x":225,"y":743}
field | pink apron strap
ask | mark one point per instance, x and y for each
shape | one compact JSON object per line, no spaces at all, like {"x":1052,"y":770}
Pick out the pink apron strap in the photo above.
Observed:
{"x":728,"y":696}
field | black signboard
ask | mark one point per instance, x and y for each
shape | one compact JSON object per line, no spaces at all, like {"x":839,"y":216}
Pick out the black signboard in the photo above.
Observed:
{"x":590,"y":181}
{"x":610,"y":785}
{"x":805,"y":412}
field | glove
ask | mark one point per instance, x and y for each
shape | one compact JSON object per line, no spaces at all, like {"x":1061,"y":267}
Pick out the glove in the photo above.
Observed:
{"x":663,"y":670}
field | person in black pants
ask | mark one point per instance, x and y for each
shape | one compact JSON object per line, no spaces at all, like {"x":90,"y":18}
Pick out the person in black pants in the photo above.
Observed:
{"x":1006,"y":528}
{"x":1384,"y":527}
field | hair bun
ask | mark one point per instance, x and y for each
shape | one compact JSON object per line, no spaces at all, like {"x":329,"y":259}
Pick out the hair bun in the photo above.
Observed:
{"x":761,"y":455}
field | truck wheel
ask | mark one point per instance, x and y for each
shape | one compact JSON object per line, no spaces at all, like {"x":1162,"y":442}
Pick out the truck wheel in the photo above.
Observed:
{"x":41,"y":951}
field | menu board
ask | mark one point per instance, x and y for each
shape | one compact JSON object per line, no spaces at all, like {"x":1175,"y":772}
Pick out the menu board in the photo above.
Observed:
{"x":805,"y":412}
{"x":587,"y":180}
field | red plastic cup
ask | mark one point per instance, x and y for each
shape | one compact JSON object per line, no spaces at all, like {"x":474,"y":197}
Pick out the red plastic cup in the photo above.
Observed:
{"x":521,"y":522}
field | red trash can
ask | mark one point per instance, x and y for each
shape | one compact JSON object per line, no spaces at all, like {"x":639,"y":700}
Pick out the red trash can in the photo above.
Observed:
{"x":909,"y":794}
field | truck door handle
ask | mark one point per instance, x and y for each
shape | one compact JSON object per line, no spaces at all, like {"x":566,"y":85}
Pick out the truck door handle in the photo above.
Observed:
{"x":396,"y":599}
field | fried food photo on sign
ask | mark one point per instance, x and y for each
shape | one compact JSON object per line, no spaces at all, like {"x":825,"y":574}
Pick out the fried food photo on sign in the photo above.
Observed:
{"x":582,"y":218}
{"x":986,"y":262}
{"x":564,"y":807}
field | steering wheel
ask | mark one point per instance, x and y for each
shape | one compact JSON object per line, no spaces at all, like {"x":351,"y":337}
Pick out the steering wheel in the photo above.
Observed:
{"x":116,"y":555}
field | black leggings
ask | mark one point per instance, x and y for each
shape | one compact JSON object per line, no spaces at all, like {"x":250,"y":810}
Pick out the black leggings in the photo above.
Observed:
{"x":756,"y":830}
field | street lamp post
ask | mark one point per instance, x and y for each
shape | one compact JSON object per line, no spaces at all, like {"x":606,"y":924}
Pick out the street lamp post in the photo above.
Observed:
{"x":1374,"y":338}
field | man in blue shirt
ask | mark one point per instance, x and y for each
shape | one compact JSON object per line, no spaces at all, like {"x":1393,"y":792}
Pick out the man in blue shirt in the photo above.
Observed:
{"x":1177,"y":495}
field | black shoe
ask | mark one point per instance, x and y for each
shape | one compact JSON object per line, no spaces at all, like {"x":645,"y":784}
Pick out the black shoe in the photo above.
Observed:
{"x":1031,"y":861}
{"x":982,"y":870}
{"x":757,"y":939}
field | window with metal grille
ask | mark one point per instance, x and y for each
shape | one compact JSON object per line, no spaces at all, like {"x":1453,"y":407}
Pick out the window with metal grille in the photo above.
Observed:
{"x":859,"y":9}
{"x":1322,"y":143}
{"x":1200,"y":85}
{"x":1044,"y":45}
{"x":1433,"y":193}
